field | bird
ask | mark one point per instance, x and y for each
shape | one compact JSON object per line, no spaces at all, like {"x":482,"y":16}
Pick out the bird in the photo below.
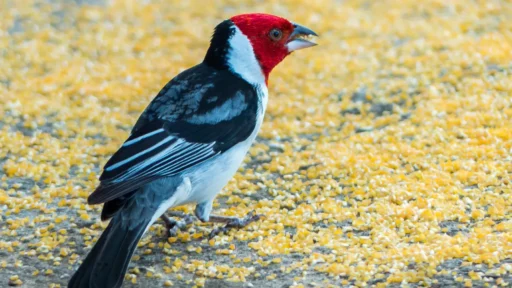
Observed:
{"x":189,"y":141}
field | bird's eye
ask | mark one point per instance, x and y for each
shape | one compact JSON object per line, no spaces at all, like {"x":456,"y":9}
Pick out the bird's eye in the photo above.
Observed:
{"x":275,"y":34}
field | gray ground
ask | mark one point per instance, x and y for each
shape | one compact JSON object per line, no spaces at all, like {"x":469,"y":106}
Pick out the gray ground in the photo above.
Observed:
{"x":155,"y":261}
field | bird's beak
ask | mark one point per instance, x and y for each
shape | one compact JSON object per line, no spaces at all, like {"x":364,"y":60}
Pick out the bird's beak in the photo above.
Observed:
{"x":298,"y":38}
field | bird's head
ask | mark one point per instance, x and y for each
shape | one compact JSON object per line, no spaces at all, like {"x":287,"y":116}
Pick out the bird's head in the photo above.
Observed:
{"x":251,"y":45}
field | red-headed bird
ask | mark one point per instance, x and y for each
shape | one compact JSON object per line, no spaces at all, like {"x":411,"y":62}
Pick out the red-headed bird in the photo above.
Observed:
{"x":189,"y":142}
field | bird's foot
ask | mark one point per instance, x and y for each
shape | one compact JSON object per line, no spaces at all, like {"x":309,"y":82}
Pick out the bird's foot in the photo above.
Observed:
{"x":232,"y":222}
{"x":173,"y":226}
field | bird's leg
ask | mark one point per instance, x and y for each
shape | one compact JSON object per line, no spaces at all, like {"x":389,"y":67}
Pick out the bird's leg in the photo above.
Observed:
{"x":174,"y":225}
{"x":203,"y":213}
{"x":187,"y":218}
{"x":232,"y":222}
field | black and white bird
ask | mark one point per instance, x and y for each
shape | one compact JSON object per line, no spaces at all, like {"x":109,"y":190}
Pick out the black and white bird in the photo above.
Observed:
{"x":189,"y":142}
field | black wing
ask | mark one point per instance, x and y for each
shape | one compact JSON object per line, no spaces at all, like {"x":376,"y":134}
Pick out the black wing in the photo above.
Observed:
{"x":187,"y":124}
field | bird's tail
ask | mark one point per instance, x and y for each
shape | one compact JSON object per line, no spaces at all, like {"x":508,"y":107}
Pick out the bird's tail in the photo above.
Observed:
{"x":107,"y":262}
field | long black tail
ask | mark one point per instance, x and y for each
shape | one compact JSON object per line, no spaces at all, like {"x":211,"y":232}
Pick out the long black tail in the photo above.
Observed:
{"x":106,"y":264}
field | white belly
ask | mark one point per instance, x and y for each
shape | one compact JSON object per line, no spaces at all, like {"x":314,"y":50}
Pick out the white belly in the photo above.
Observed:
{"x":211,"y":177}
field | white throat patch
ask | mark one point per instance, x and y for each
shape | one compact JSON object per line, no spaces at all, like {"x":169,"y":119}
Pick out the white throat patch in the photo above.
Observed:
{"x":242,"y":60}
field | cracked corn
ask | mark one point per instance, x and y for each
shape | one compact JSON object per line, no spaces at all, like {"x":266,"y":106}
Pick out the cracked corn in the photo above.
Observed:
{"x":386,"y":150}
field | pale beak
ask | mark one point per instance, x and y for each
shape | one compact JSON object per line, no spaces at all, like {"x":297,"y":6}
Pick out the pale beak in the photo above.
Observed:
{"x":298,"y":39}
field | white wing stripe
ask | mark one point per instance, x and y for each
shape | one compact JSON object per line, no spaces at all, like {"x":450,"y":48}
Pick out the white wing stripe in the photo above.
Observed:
{"x":173,"y":165}
{"x":166,"y":162}
{"x":119,"y":164}
{"x":176,"y":156}
{"x":134,"y":170}
{"x":128,"y":143}
{"x":228,"y":110}
{"x":170,"y":170}
{"x":182,"y":159}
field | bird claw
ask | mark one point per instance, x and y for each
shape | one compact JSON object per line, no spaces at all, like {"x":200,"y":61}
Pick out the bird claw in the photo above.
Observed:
{"x":173,"y":231}
{"x":235,"y":223}
{"x":173,"y":226}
